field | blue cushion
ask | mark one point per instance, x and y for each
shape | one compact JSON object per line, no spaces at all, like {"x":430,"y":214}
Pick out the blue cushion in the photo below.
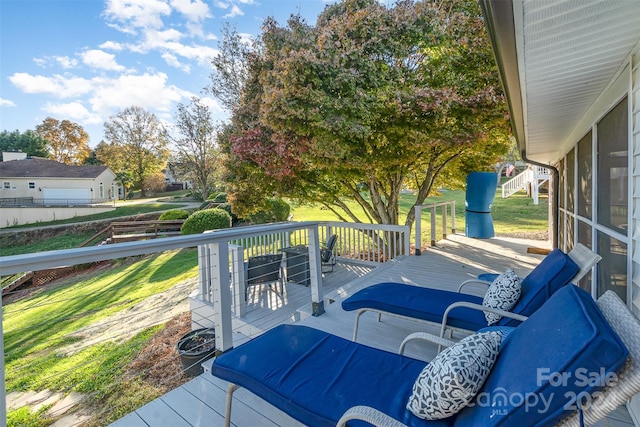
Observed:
{"x":567,"y":335}
{"x":488,"y":277}
{"x":418,"y":302}
{"x":554,"y":272}
{"x":315,"y":377}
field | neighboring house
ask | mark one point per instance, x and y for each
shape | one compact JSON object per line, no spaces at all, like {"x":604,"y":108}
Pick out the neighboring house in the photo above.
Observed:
{"x":571,"y":73}
{"x":43,"y":181}
{"x":171,"y":176}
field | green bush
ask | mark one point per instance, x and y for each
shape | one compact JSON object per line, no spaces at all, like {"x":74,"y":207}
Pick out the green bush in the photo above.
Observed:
{"x":207,"y":219}
{"x":220,"y":198}
{"x":277,"y":210}
{"x":207,"y":204}
{"x":227,"y":207}
{"x":174,"y":214}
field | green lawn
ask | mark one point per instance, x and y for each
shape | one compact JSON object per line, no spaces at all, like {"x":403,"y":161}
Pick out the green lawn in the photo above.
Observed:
{"x":514,"y":214}
{"x":35,"y":329}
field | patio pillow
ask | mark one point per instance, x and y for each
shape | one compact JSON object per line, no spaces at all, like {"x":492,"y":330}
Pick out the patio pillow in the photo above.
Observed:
{"x":452,"y":379}
{"x":503,"y":294}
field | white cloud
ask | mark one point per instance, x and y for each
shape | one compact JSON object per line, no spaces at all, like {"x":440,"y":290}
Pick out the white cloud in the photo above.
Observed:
{"x":96,"y":58}
{"x":195,"y":11}
{"x":66,"y":62}
{"x":213,"y":104}
{"x":130,"y":15}
{"x":111,"y":45}
{"x":157,"y":39}
{"x":6,"y":103}
{"x":173,"y":61}
{"x":41,"y":62}
{"x":149,"y":91}
{"x":57,"y":85}
{"x":74,"y":111}
{"x":235,"y":11}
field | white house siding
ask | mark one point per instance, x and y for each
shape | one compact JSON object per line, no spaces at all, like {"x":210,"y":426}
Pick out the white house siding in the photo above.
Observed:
{"x":635,"y":200}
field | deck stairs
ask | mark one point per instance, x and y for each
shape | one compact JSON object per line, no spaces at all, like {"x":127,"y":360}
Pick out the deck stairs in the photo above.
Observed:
{"x":529,"y":180}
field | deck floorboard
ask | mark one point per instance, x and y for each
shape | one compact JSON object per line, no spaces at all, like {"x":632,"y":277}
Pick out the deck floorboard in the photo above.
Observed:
{"x":201,"y":401}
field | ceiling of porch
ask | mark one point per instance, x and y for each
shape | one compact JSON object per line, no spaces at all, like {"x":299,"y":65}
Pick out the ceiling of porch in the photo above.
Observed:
{"x":564,"y":53}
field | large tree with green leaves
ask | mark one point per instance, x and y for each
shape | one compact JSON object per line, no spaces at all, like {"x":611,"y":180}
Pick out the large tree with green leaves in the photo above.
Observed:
{"x":370,"y":100}
{"x":136,"y":143}
{"x":68,"y":141}
{"x":198,"y":158}
{"x":27,"y":142}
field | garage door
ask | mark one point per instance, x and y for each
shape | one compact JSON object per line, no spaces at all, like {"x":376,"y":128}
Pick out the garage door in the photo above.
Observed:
{"x":66,"y":195}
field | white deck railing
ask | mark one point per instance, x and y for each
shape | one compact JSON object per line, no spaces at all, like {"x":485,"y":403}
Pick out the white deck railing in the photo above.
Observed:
{"x":432,"y":208}
{"x":534,"y":176}
{"x":371,"y":244}
{"x":218,"y":291}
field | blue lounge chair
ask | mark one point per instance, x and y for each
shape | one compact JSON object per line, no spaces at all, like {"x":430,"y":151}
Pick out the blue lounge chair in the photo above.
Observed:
{"x":457,"y":310}
{"x":323,"y":380}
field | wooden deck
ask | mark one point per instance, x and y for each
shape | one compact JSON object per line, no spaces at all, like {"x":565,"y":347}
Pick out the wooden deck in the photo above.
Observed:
{"x":201,"y":401}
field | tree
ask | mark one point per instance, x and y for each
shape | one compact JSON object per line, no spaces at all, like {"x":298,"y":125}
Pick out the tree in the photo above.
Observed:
{"x":27,"y":142}
{"x":372,"y":98}
{"x":68,"y":141}
{"x":196,"y":142}
{"x":138,"y":143}
{"x":155,"y":183}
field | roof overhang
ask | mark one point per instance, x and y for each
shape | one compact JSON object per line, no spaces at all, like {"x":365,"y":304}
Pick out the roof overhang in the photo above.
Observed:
{"x":555,"y":59}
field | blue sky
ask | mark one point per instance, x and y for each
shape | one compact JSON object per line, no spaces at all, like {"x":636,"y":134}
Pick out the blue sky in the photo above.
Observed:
{"x":85,"y":60}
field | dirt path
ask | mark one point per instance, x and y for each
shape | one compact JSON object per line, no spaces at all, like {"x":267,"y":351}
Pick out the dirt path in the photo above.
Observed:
{"x":121,"y":326}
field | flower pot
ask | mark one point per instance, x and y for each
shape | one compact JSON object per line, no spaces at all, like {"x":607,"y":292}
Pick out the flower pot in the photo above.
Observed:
{"x":194,"y":348}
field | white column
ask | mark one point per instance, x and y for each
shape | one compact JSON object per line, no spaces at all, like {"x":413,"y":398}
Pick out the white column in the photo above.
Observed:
{"x":315,"y":272}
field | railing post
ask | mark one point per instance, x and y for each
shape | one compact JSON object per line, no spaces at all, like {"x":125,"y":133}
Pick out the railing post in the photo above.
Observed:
{"x":453,"y":217}
{"x":221,"y":294}
{"x":315,"y":272}
{"x":239,"y":280}
{"x":444,"y":220}
{"x":3,"y":384}
{"x":418,"y":210}
{"x":433,"y":226}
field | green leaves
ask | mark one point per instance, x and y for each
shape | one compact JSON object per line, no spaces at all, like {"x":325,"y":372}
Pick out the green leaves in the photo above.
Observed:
{"x":371,"y":97}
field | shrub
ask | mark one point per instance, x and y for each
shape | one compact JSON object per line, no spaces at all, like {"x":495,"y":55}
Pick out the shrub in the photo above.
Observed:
{"x":207,"y":219}
{"x":227,"y":207}
{"x":220,"y":198}
{"x":174,"y":214}
{"x":207,"y":204}
{"x":277,"y":210}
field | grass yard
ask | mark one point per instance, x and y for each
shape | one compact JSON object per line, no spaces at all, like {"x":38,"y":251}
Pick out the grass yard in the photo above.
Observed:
{"x":516,"y":214}
{"x":37,"y":329}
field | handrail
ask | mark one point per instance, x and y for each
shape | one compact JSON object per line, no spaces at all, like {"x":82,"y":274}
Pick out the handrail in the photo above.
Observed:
{"x":50,"y":259}
{"x":432,"y":207}
{"x":370,"y":244}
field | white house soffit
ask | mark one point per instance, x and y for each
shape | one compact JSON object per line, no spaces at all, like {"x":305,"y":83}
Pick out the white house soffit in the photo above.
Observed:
{"x":570,"y":50}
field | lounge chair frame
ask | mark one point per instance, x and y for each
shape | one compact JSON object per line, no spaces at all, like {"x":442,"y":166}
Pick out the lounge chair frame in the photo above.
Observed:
{"x":584,"y":257}
{"x":617,"y":315}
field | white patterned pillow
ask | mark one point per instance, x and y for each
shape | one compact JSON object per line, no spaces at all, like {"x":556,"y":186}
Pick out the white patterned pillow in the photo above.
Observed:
{"x":452,"y":379}
{"x":502,"y":294}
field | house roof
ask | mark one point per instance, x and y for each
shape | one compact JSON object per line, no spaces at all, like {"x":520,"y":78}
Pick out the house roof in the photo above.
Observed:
{"x":555,"y":59}
{"x":37,"y":167}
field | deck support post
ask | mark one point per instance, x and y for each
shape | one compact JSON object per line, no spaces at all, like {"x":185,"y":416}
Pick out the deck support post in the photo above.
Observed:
{"x":213,"y":261}
{"x":315,"y":272}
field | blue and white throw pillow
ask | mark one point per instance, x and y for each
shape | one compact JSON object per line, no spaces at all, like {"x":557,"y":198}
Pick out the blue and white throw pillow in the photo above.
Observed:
{"x":503,"y":294}
{"x":454,"y":377}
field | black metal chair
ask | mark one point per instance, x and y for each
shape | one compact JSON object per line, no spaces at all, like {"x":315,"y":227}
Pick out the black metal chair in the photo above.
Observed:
{"x":326,"y":252}
{"x":263,"y":269}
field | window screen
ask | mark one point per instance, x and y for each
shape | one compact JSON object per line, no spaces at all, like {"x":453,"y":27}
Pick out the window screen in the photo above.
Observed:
{"x":585,"y":175}
{"x":613,"y":194}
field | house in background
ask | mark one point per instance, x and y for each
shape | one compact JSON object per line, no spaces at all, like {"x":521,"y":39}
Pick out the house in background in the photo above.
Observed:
{"x":37,"y":189}
{"x":571,"y":73}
